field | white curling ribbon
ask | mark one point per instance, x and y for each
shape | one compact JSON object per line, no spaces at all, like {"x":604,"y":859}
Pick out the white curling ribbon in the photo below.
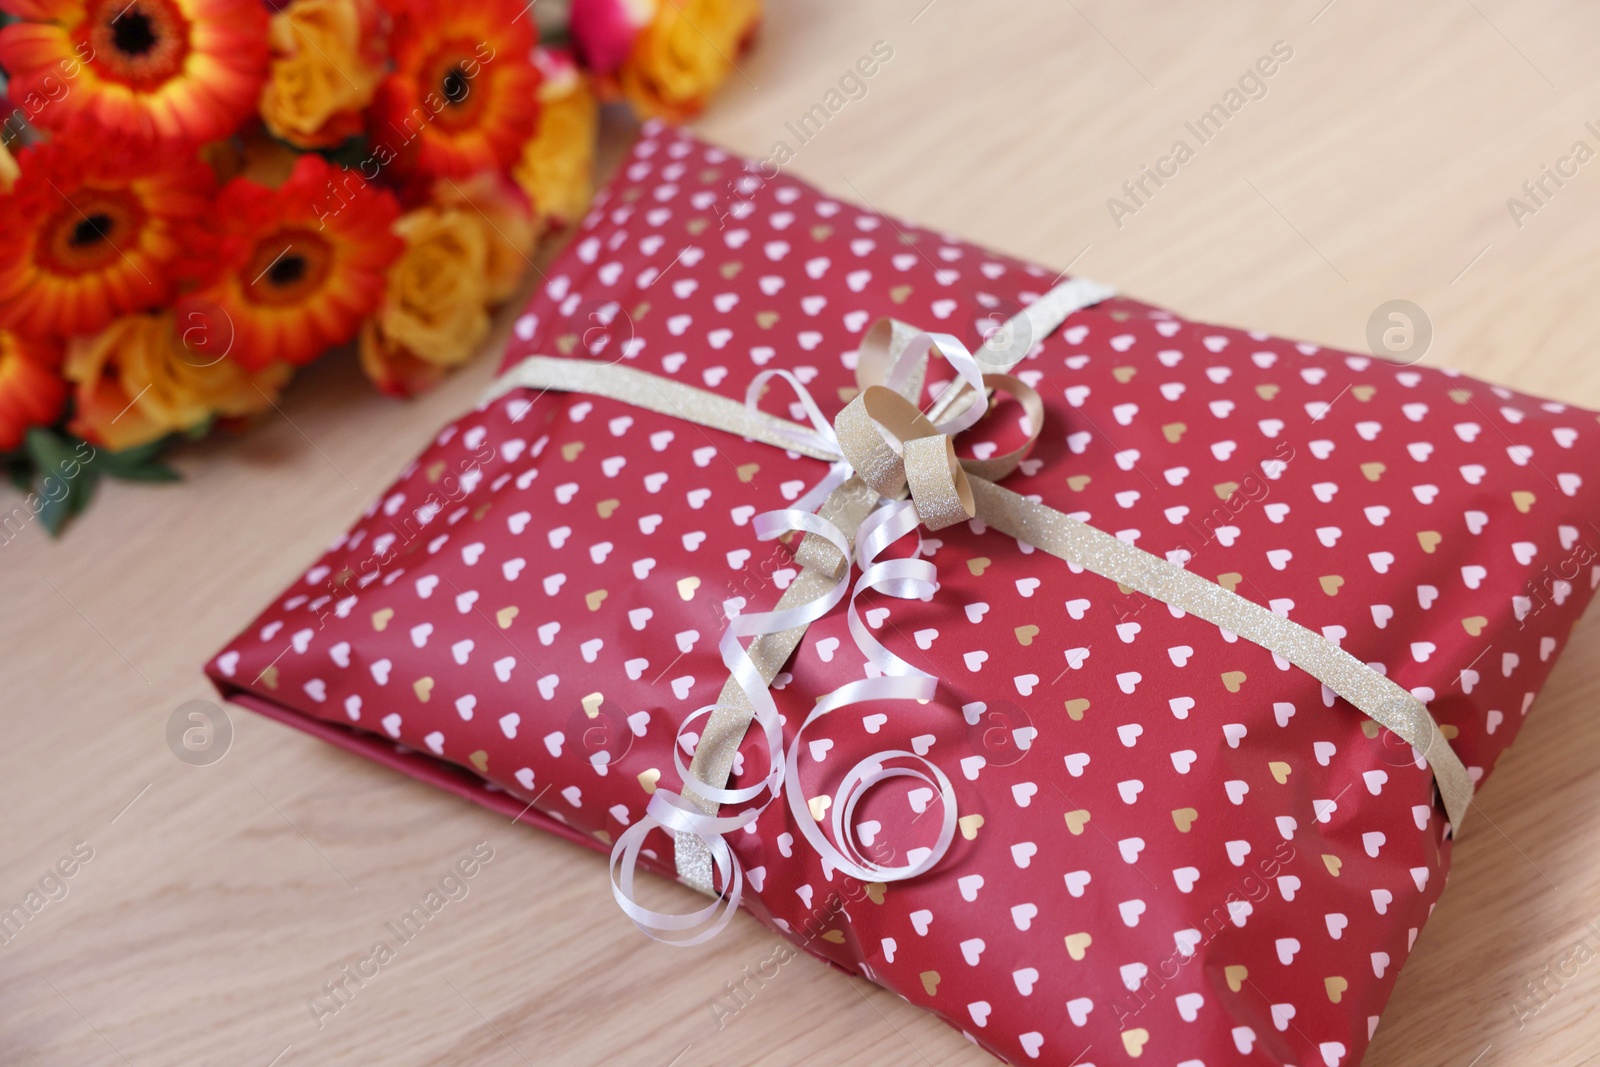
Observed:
{"x":667,"y":810}
{"x":670,"y":811}
{"x":897,"y":680}
{"x":890,"y":678}
{"x":814,"y":497}
{"x":959,"y":357}
{"x":823,"y":437}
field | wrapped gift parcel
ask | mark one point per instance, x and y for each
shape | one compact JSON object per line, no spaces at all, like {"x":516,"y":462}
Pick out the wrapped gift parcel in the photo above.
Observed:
{"x":1097,"y":679}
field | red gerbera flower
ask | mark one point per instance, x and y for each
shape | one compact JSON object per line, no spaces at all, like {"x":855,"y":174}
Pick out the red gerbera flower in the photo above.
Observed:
{"x":32,"y":391}
{"x":462,"y":95}
{"x":89,"y":232}
{"x":166,"y":69}
{"x":288,"y":272}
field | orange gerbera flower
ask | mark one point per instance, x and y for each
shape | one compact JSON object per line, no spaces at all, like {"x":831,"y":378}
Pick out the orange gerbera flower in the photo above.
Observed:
{"x":462,"y":96}
{"x":291,"y":271}
{"x":89,"y":232}
{"x":32,"y":393}
{"x":166,"y":69}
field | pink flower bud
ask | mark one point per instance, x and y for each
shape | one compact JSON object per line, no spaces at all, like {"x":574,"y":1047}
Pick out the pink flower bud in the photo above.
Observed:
{"x":603,"y":31}
{"x":558,"y":68}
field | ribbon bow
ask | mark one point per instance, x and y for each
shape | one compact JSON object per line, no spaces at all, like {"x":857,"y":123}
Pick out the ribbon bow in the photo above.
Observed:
{"x":894,"y":469}
{"x":884,"y":416}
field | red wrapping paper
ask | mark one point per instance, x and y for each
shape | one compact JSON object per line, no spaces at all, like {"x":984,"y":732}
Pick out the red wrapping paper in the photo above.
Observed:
{"x":1175,"y":849}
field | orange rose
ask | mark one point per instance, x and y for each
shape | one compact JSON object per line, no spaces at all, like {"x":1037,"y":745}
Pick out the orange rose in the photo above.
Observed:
{"x":510,"y":233}
{"x":557,"y":163}
{"x":435,"y":309}
{"x":464,"y":253}
{"x":391,"y":366}
{"x":324,"y":71}
{"x":137,"y":381}
{"x":684,"y":54}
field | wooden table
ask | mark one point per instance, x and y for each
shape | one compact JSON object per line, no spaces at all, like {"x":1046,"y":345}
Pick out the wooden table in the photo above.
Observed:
{"x":1377,"y":165}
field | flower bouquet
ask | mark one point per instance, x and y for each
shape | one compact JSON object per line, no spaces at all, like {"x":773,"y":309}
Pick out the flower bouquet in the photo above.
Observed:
{"x":199,"y":196}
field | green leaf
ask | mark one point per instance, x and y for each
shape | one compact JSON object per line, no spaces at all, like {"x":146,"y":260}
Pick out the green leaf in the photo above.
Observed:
{"x":130,"y":458}
{"x":63,"y":480}
{"x":49,"y":450}
{"x":149,"y":472}
{"x":83,"y":491}
{"x":54,"y":513}
{"x":138,"y":464}
{"x":72,"y":497}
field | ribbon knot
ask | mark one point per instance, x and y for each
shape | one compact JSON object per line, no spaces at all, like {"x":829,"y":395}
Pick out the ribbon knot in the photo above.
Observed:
{"x":894,"y":447}
{"x":924,"y":463}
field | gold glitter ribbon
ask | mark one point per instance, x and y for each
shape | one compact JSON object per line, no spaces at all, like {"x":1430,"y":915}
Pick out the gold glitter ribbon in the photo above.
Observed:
{"x":895,"y":449}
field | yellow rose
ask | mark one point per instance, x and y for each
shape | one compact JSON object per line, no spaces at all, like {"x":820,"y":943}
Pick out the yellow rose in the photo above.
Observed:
{"x":557,"y":163}
{"x":464,"y":253}
{"x":501,"y":210}
{"x":323,"y":71}
{"x":684,"y":54}
{"x":137,"y":381}
{"x":392,"y":367}
{"x":436,"y":298}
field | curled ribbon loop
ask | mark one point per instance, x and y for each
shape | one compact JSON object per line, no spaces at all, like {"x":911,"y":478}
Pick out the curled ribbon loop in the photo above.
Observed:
{"x":886,"y":443}
{"x":821,"y":437}
{"x":666,"y":811}
{"x":895,"y":679}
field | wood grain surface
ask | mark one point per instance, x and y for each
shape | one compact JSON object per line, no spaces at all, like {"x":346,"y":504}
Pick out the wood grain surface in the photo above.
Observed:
{"x":218,"y":899}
